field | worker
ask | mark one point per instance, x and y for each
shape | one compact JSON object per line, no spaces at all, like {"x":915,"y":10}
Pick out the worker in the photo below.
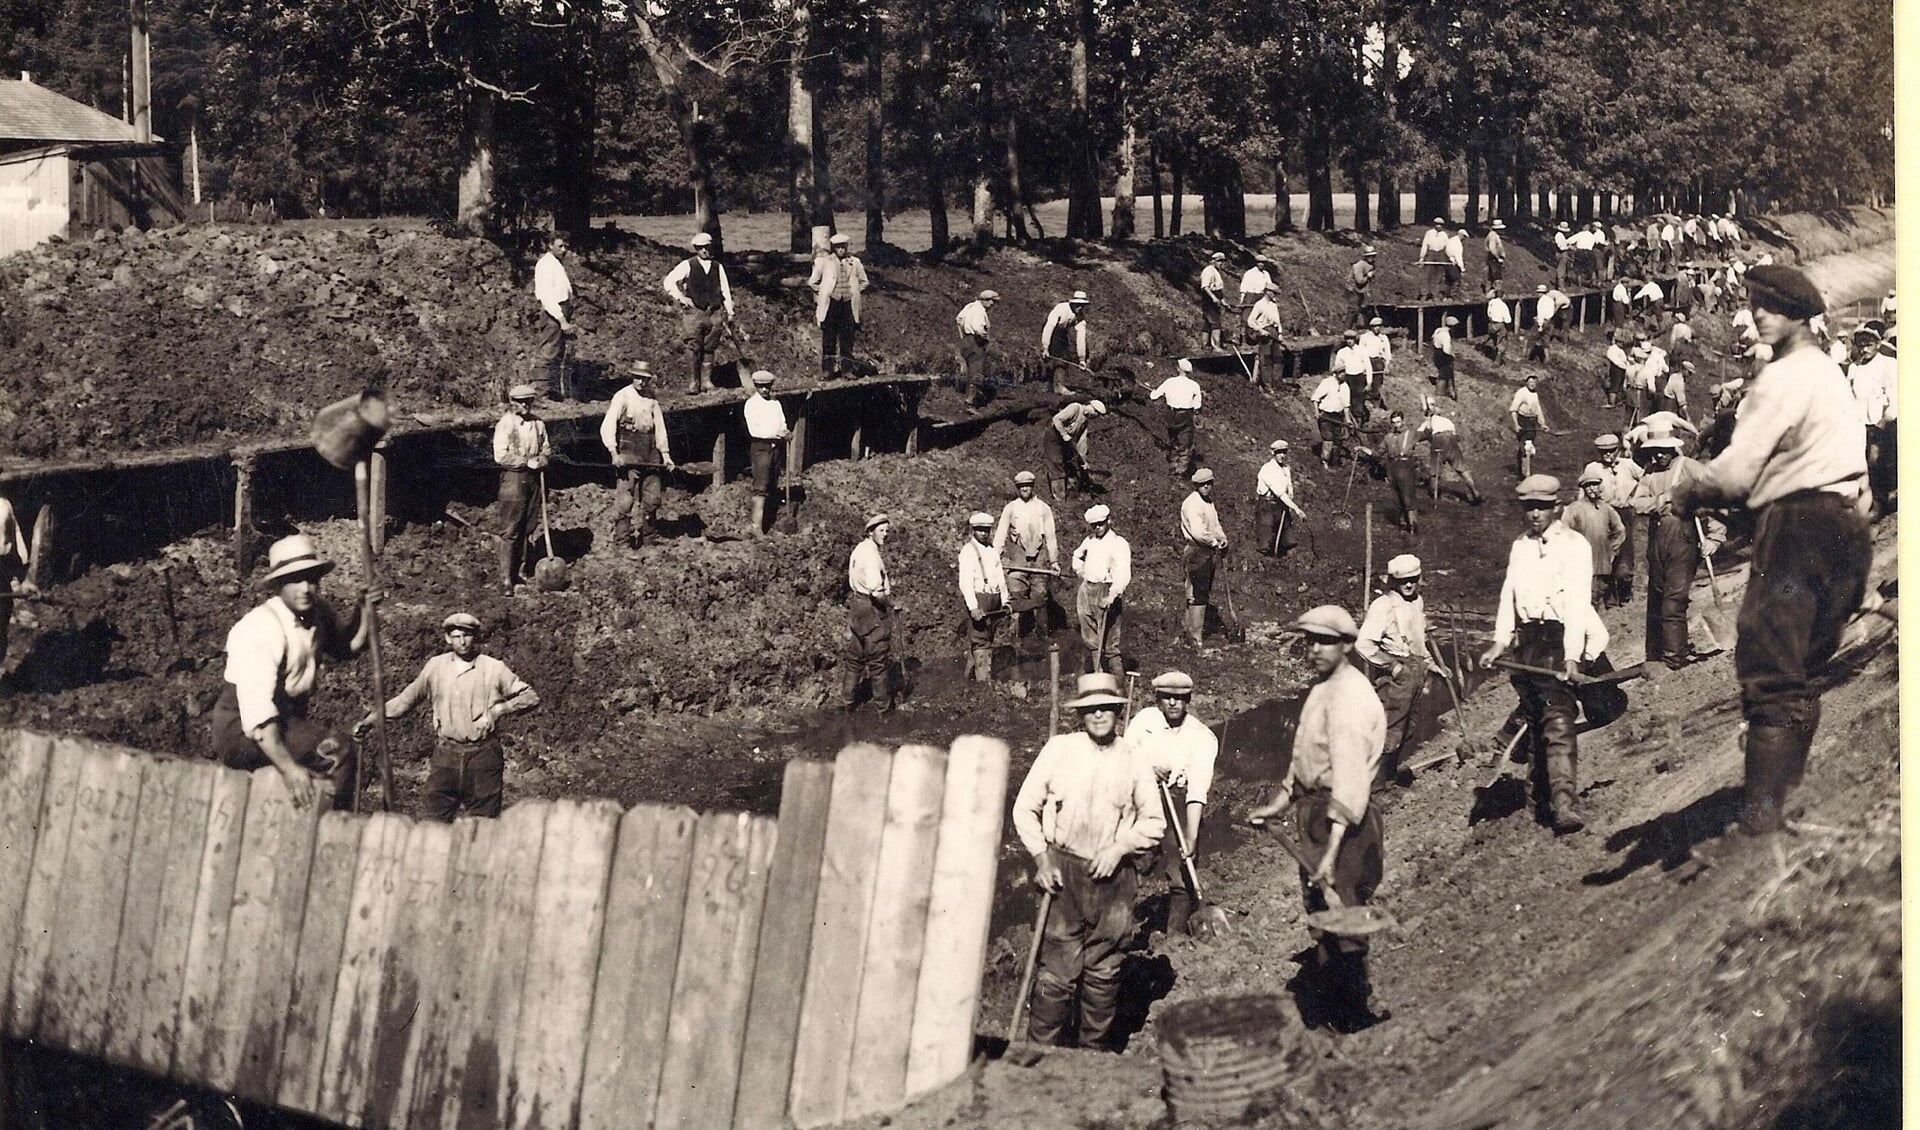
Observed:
{"x":870,"y":612}
{"x":1025,"y":537}
{"x":1256,"y":282}
{"x":767,"y":430}
{"x":553,"y":290}
{"x":1590,"y":516}
{"x":1273,"y":502}
{"x":1659,"y":424}
{"x":1331,"y":398}
{"x":634,"y":432}
{"x":1680,"y":336}
{"x":1580,"y":246}
{"x":1400,"y":454}
{"x":1873,"y":374}
{"x":1206,"y":546}
{"x":273,"y":659}
{"x":699,"y":284}
{"x":522,"y":450}
{"x":1443,"y":448}
{"x":468,"y":694}
{"x":983,"y":592}
{"x":1618,"y":477}
{"x":1336,"y":755}
{"x":1528,"y":417}
{"x":976,"y":332}
{"x":1066,"y":441}
{"x":1561,"y":304}
{"x":1673,"y":550}
{"x":1182,"y":397}
{"x":1499,"y":324}
{"x":1063,"y":340}
{"x":1180,"y":751}
{"x":1378,"y":347}
{"x":1442,"y":342}
{"x":1673,"y":393}
{"x":1104,"y":563}
{"x":1544,"y":310}
{"x":1496,"y":252}
{"x":1456,"y":258}
{"x":1085,"y":809}
{"x":1433,"y":260}
{"x":1620,"y":303}
{"x":1393,"y":641}
{"x":1614,"y":383}
{"x":1213,"y":301}
{"x":16,"y":569}
{"x":1562,"y":253}
{"x":838,"y":279}
{"x":1648,"y":301}
{"x":1545,"y":604}
{"x":1360,"y":284}
{"x":1267,"y":337}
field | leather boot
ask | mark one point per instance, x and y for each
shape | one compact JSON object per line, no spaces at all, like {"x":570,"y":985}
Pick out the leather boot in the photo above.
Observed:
{"x":623,"y":531}
{"x":507,"y":566}
{"x":1558,"y":737}
{"x":1775,"y":756}
{"x":850,"y":690}
{"x":888,"y":690}
{"x":982,"y":665}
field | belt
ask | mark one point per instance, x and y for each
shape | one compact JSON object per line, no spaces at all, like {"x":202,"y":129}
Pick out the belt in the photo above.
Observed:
{"x":768,"y":442}
{"x":462,"y":741}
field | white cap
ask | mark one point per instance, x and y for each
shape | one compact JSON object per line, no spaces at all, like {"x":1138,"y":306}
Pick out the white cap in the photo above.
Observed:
{"x":1099,"y":407}
{"x":703,"y":239}
{"x":980,"y":520}
{"x":1183,"y":365}
{"x":1403,"y":567}
{"x":1097,"y":513}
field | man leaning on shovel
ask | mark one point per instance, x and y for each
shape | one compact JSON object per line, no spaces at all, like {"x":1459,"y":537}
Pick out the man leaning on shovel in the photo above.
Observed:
{"x":1180,"y":751}
{"x":1104,"y":563}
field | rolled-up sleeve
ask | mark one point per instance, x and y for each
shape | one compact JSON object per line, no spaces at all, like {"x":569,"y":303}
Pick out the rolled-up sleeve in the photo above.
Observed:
{"x":1031,"y":801}
{"x":1149,"y":821}
{"x":515,"y":694}
{"x":256,"y":652}
{"x":1356,"y":734}
{"x":1206,"y":750}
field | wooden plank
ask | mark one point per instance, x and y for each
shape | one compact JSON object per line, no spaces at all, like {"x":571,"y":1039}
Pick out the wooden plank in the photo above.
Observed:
{"x":639,"y":950}
{"x":855,"y":817}
{"x":896,"y":935}
{"x":263,"y":939}
{"x":480,"y":1047}
{"x":154,"y":993}
{"x":445,"y":999}
{"x":965,"y":868}
{"x":93,"y":892}
{"x":212,"y":905}
{"x":570,"y":904}
{"x":411,"y":964}
{"x":24,"y":758}
{"x":34,"y":949}
{"x":160,"y":784}
{"x":786,"y":935}
{"x":316,"y":966}
{"x":352,"y":1028}
{"x":714,"y":979}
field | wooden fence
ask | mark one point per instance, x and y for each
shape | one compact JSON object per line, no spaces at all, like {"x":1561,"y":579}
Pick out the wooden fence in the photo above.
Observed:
{"x":566,"y":965}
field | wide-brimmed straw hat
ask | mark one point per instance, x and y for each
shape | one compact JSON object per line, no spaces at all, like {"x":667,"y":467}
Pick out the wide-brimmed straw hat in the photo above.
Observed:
{"x":294,"y":556}
{"x":1096,"y":690}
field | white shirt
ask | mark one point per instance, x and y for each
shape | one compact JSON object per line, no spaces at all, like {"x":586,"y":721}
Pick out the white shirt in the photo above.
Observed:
{"x":639,"y":412}
{"x":1560,"y":241}
{"x":1028,"y":525}
{"x":1275,"y":481}
{"x":1264,"y":317}
{"x":1211,"y":282}
{"x":1395,"y":629}
{"x":1433,"y":246}
{"x":1339,"y":739}
{"x":1582,"y":240}
{"x":273,"y":661}
{"x":1254,"y":282}
{"x":1442,"y":340}
{"x":1799,"y":430}
{"x":1083,"y":798}
{"x":867,"y":572}
{"x":1376,"y":344}
{"x":1651,"y":292}
{"x":1332,"y":396}
{"x":1200,"y":521}
{"x":13,"y":541}
{"x":1616,"y":481}
{"x":1616,"y":356}
{"x":1544,"y":309}
{"x":1107,"y":560}
{"x":1435,"y":425}
{"x":1548,"y":578}
{"x":671,"y":284}
{"x":1456,"y":248}
{"x":1352,"y":360}
{"x":520,"y":442}
{"x":765,"y":418}
{"x":1525,"y":402}
{"x":1063,"y":316}
{"x":980,"y":572}
{"x":1620,"y":292}
{"x":1181,"y":756}
{"x":1179,"y":391}
{"x":1873,"y":383}
{"x":973,"y":319}
{"x":1498,"y":312}
{"x":551,"y":286}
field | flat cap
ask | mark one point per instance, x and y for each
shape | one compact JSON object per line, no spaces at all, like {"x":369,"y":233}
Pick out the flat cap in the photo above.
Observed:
{"x":1097,"y":407}
{"x":1098,"y":513}
{"x":465,"y":620}
{"x":1538,"y":488}
{"x":839,"y":240}
{"x":1218,"y":257}
{"x":980,"y":520}
{"x":1329,"y":620}
{"x":1278,"y":445}
{"x":1376,"y":321}
{"x":1591,"y":474}
{"x":1785,"y":290}
{"x":523,"y":392}
{"x":877,"y":521}
{"x":989,"y":295}
{"x":1403,"y":566}
{"x":1608,"y":442}
{"x":762,"y":377}
{"x":702,"y":239}
{"x":1350,"y":333}
{"x":1024,"y":479}
{"x":1369,"y":251}
{"x":1452,"y":321}
{"x":1183,"y":365}
{"x":1173,"y":682}
{"x":1202,"y":476}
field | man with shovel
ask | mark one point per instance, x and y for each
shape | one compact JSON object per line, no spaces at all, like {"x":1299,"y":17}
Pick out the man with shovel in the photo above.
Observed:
{"x":1025,"y":536}
{"x":1673,"y":550}
{"x":870,"y":611}
{"x":521,"y":448}
{"x":1063,"y":340}
{"x":1393,"y":641}
{"x":1066,"y":441}
{"x":1336,"y":756}
{"x":766,"y":430}
{"x":983,"y":592}
{"x":1084,"y":810}
{"x":1104,"y":563}
{"x":1274,"y":508}
{"x":1179,"y":750}
{"x":634,"y":432}
{"x":1206,"y":545}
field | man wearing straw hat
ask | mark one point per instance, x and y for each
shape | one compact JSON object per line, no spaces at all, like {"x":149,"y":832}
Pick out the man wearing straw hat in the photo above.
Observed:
{"x":1084,"y":809}
{"x":1329,"y":784}
{"x":699,"y":284}
{"x":1213,"y":300}
{"x":522,"y":450}
{"x":1104,"y":563}
{"x":870,"y":610}
{"x":1063,"y":340}
{"x":1206,"y":544}
{"x":1025,"y":535}
{"x":983,"y":592}
{"x":766,"y":430}
{"x":1273,"y":502}
{"x":634,"y":432}
{"x":838,"y":280}
{"x":468,"y":694}
{"x":1179,"y":749}
{"x":1393,"y":641}
{"x":273,"y":660}
{"x":1496,"y":252}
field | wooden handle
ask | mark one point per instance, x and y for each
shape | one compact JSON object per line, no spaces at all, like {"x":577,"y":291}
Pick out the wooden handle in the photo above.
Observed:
{"x":1299,"y":854}
{"x":1026,"y":974}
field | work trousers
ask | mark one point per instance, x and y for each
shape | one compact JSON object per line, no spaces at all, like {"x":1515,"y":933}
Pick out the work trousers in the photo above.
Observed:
{"x":464,"y":775}
{"x":1433,"y":279}
{"x":702,"y":330}
{"x":1398,"y":696}
{"x":1081,"y":953}
{"x":1443,"y":374}
{"x":1811,"y":553}
{"x":1026,"y":592}
{"x":1357,"y":868}
{"x":1164,"y":861}
{"x":1100,"y":628}
{"x":973,"y":368}
{"x":981,"y":630}
{"x":639,"y":486}
{"x":837,"y":332}
{"x":519,"y":503}
{"x":1623,"y":561}
{"x":312,"y":745}
{"x":1200,"y":562}
{"x":1496,"y":268}
{"x":765,"y":466}
{"x":1063,"y":463}
{"x":1180,"y":427}
{"x":1404,"y":476}
{"x":1213,"y":314}
{"x":551,"y":352}
{"x":1673,"y":558}
{"x":1272,"y":526}
{"x":1883,"y":466}
{"x":1549,"y":708}
{"x":870,"y":659}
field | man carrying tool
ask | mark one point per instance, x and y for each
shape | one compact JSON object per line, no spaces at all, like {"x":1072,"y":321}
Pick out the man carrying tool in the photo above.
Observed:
{"x":1331,"y":399}
{"x":1545,"y":605}
{"x":1356,"y":368}
{"x":1267,"y":337}
{"x":983,"y":590}
{"x":273,"y":660}
{"x":1378,"y":347}
{"x":554,"y":291}
{"x":767,"y":430}
{"x":1179,"y":750}
{"x":1104,"y":563}
{"x":700,"y":286}
{"x":1545,"y":309}
{"x":1066,"y":442}
{"x":1393,"y":641}
{"x":1085,"y":808}
{"x":468,"y":694}
{"x":1273,"y":503}
{"x":1528,"y":417}
{"x":838,"y":279}
{"x":1360,"y":284}
{"x":1213,"y":301}
{"x":1256,"y":282}
{"x":1618,"y":477}
{"x":1673,"y":551}
{"x":1433,"y":260}
{"x":1442,"y":342}
{"x":1499,"y":324}
{"x":1336,"y":754}
{"x":1496,"y":252}
{"x":1063,"y":340}
{"x":1593,"y":518}
{"x":1403,"y":470}
{"x":1798,"y":461}
{"x":976,"y":331}
{"x":521,"y":449}
{"x":1443,"y":449}
{"x":1182,"y":396}
{"x":1025,"y":535}
{"x":1206,"y":545}
{"x":634,"y":432}
{"x":870,"y":611}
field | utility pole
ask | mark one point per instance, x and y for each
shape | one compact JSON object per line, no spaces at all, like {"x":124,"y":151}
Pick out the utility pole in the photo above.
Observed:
{"x":141,"y":60}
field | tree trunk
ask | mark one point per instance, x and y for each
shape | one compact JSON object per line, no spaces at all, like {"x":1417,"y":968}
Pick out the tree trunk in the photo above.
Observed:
{"x":876,"y":124}
{"x":1389,"y":205}
{"x":1083,"y":196}
{"x":1583,"y":206}
{"x":1362,"y":212}
{"x":578,"y":113}
{"x":1153,"y":175}
{"x":1016,"y":192}
{"x":1282,"y":198}
{"x":1522,"y":194}
{"x":1562,"y":205}
{"x":1499,"y":197}
{"x":1179,"y":191}
{"x":810,"y":219}
{"x":1123,"y":186}
{"x":1319,"y":189}
{"x":478,"y":32}
{"x":1223,"y":198}
{"x":1606,"y":205}
{"x":1433,"y":195}
{"x":1544,"y":202}
{"x":1470,"y":215}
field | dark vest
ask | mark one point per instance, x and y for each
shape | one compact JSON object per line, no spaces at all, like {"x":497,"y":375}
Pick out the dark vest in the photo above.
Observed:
{"x":704,"y":286}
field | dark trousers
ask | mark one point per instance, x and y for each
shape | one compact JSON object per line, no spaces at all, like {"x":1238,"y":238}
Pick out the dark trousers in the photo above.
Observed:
{"x":551,"y":352}
{"x":701,"y":330}
{"x":1622,"y":572}
{"x":973,"y":372}
{"x":1811,"y":553}
{"x":1673,"y":558}
{"x":1081,"y":953}
{"x":641,"y":487}
{"x":1272,"y":526}
{"x":1443,"y":374}
{"x":1883,"y":466}
{"x":1549,"y":708}
{"x":763,"y":461}
{"x":1199,"y":561}
{"x":1339,"y":970}
{"x":1100,"y":628}
{"x":870,"y":661}
{"x":1404,"y":475}
{"x":464,"y":774}
{"x":837,"y":332}
{"x":1180,"y":439}
{"x":513,"y":519}
{"x":312,"y":745}
{"x":1398,"y":696}
{"x":1164,"y":862}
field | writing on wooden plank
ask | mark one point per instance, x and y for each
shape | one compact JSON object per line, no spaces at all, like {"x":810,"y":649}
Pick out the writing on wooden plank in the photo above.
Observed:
{"x":35,"y":946}
{"x":445,"y":998}
{"x":164,"y":983}
{"x":23,"y":786}
{"x":354,"y":1027}
{"x":212,"y":906}
{"x":316,"y":965}
{"x":408,"y":967}
{"x":93,"y":891}
{"x":140,"y":912}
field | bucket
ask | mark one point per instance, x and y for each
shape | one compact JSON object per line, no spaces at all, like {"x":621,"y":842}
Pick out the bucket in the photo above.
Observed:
{"x":1227,"y":1061}
{"x":345,"y":431}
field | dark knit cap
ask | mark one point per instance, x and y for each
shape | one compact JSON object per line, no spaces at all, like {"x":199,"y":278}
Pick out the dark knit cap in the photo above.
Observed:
{"x":1785,"y":290}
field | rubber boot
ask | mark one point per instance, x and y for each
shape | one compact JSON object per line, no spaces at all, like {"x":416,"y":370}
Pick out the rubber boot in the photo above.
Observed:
{"x":981,"y":665}
{"x":1775,"y":758}
{"x":697,"y":374}
{"x":888,"y":692}
{"x":850,"y":689}
{"x":1558,"y":737}
{"x":758,"y":516}
{"x":623,"y":531}
{"x":1196,"y":624}
{"x":507,"y":566}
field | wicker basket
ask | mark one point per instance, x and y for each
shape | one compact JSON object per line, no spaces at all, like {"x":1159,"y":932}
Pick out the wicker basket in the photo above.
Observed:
{"x":1227,"y":1060}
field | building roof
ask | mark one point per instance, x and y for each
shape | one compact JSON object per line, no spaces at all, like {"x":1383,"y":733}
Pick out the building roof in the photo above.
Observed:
{"x":31,"y":112}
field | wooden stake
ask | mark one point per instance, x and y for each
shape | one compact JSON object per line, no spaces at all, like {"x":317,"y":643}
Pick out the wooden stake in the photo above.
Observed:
{"x":243,"y":468}
{"x":377,"y":513}
{"x":1053,"y":687}
{"x":362,"y":488}
{"x":1366,"y":575}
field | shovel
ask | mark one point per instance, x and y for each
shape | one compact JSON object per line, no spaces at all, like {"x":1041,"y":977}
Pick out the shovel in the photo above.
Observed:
{"x":1715,"y":621}
{"x":1207,"y":921}
{"x":550,"y":573}
{"x":789,"y":520}
{"x":1338,"y":919}
{"x":1020,"y":1052}
{"x":1236,"y":631}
